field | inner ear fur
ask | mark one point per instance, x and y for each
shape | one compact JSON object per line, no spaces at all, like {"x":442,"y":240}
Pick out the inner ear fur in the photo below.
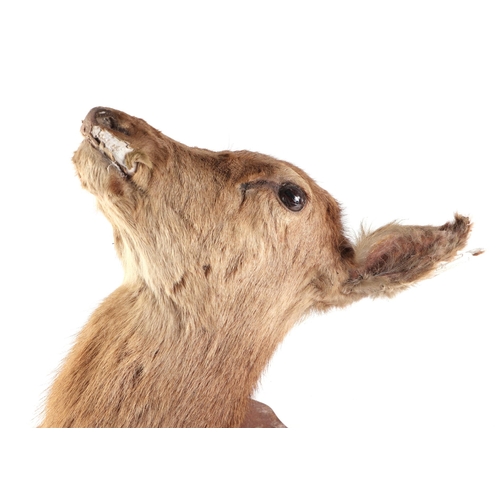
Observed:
{"x":395,"y":256}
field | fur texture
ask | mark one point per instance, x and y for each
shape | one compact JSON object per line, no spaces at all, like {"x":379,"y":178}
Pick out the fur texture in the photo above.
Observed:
{"x":217,"y":269}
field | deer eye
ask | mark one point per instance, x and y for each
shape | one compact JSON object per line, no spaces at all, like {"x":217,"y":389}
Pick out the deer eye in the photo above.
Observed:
{"x":292,"y":196}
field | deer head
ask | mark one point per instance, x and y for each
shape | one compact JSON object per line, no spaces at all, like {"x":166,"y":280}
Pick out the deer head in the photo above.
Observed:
{"x":246,"y":227}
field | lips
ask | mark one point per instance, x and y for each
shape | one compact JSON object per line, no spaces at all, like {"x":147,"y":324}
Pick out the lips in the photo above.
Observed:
{"x":113,"y":149}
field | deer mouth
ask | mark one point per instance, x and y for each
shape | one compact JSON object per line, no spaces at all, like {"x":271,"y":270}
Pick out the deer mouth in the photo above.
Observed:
{"x":113,"y":149}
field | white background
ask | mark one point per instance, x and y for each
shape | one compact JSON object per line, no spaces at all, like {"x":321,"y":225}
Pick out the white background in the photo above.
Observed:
{"x":393,"y":107}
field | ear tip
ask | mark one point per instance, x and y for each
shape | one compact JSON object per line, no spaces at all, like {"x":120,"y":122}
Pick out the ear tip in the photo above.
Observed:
{"x":463,"y":219}
{"x":461,"y":225}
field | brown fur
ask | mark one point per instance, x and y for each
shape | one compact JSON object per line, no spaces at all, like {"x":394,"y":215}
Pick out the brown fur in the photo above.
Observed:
{"x":217,"y":271}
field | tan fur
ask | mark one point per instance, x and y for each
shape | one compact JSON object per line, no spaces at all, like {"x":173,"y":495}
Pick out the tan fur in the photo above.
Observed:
{"x":217,"y":271}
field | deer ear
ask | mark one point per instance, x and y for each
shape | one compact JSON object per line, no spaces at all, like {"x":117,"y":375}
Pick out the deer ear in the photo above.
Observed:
{"x":394,"y":257}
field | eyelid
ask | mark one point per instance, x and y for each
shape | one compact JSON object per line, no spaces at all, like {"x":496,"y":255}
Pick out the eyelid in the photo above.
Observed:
{"x":276,"y":188}
{"x":254,"y":184}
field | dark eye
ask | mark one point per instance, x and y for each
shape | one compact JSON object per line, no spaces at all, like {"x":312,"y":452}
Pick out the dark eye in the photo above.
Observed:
{"x":292,"y":196}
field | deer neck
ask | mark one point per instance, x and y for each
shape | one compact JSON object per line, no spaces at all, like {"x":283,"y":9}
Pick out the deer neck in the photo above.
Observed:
{"x":149,"y":361}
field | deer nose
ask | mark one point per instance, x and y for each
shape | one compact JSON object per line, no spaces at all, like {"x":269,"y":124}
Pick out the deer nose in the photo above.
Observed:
{"x":103,"y":117}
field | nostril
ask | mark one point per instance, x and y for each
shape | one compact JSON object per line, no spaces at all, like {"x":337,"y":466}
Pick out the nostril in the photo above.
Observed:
{"x":103,"y":117}
{"x":109,"y":122}
{"x":106,"y":118}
